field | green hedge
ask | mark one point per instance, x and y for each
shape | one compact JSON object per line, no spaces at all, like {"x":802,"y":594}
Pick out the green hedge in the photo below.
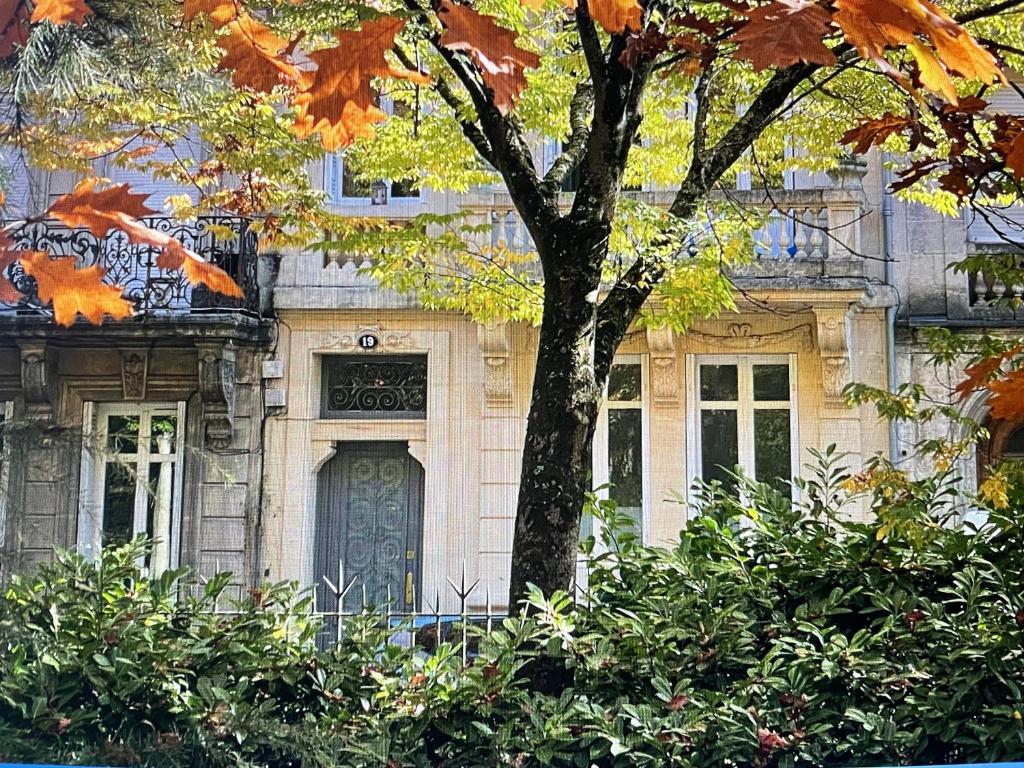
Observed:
{"x":771,"y":634}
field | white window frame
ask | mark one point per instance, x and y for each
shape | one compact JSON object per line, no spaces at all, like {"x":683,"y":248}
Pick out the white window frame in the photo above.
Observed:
{"x":95,"y":457}
{"x":334,"y":176}
{"x":7,"y":411}
{"x":600,"y":453}
{"x":745,"y":405}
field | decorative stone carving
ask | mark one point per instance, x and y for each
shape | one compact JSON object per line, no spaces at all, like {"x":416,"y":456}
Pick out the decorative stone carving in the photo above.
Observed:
{"x":835,"y":351}
{"x":217,"y":390}
{"x":38,"y":379}
{"x":390,"y":341}
{"x":740,"y":337}
{"x":494,"y":340}
{"x":661,"y":342}
{"x":134,"y":369}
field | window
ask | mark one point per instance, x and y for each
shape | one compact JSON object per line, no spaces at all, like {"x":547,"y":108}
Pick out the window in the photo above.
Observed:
{"x":619,"y":445}
{"x":6,"y":414}
{"x":374,"y":386}
{"x":743,"y":415}
{"x":131,"y":478}
{"x":341,"y":185}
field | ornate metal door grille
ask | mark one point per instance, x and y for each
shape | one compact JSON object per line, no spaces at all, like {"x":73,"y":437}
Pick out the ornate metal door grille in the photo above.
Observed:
{"x":374,"y":386}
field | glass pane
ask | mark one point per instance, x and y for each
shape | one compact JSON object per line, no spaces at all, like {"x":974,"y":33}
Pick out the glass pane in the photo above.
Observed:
{"x":772,"y":457}
{"x":404,"y":189}
{"x":624,"y":383}
{"x":625,"y":470}
{"x":118,"y":503}
{"x":719,"y":449}
{"x":771,"y":382}
{"x":163,"y":429}
{"x":352,"y":188}
{"x":159,"y":501}
{"x":718,"y":382}
{"x":123,"y":434}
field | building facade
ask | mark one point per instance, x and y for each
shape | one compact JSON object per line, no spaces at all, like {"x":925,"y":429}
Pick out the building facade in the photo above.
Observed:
{"x":326,"y":427}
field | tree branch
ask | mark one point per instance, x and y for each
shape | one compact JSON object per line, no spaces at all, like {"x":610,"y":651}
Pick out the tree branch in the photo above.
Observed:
{"x":579,"y":109}
{"x":470,"y":129}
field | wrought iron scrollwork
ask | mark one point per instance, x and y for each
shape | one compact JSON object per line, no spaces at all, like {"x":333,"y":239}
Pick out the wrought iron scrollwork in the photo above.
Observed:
{"x":226,"y":241}
{"x":375,"y":386}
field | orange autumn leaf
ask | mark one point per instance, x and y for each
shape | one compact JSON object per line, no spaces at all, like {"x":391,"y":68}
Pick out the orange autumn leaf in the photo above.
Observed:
{"x":784,"y":33}
{"x":75,"y":291}
{"x":337,"y":101}
{"x":196,"y":270}
{"x":1015,"y":156}
{"x":99,"y":211}
{"x":60,"y":11}
{"x":501,"y":62}
{"x":614,"y":16}
{"x":1007,"y":400}
{"x":219,"y":11}
{"x":979,"y":374}
{"x":874,"y":131}
{"x":873,"y":26}
{"x":116,"y":207}
{"x":8,"y":255}
{"x":257,"y":57}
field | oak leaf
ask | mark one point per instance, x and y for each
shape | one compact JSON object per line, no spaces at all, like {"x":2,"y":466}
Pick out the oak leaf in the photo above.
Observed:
{"x":116,"y":207}
{"x":981,"y":373}
{"x":257,"y":56}
{"x":75,"y":291}
{"x":60,"y":11}
{"x":219,"y":11}
{"x":874,"y":131}
{"x":99,"y":210}
{"x":501,"y":62}
{"x":1007,"y":398}
{"x":614,"y":16}
{"x":1015,"y":156}
{"x":784,"y":33}
{"x":337,"y":101}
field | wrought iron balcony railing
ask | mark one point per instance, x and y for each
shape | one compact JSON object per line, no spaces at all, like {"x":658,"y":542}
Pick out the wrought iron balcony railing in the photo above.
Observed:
{"x":226,"y":241}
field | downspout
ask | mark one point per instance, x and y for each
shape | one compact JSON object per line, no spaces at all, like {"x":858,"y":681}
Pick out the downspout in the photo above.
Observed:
{"x":890,"y":311}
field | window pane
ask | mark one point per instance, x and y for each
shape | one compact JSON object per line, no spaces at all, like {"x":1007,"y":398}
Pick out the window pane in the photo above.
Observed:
{"x":624,"y":383}
{"x":772,"y":457}
{"x":771,"y":382}
{"x":352,"y":188}
{"x":719,"y":449}
{"x":718,"y":382}
{"x":118,"y":503}
{"x":625,"y":470}
{"x":123,"y":434}
{"x":159,"y":500}
{"x":163,"y":430}
{"x":404,"y":189}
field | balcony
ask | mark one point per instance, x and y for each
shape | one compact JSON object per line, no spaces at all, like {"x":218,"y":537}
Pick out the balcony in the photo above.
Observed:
{"x":225,"y":241}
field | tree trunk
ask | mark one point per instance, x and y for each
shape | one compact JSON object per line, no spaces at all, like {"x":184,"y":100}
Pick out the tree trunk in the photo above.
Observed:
{"x":556,"y":468}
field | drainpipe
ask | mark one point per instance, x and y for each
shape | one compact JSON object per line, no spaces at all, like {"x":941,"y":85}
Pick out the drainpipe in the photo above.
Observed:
{"x":890,"y":311}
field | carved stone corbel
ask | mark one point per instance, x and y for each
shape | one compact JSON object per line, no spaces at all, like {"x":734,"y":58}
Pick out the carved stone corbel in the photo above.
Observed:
{"x":661,"y":342}
{"x":495,"y":343}
{"x":834,"y":348}
{"x":38,"y":379}
{"x":217,"y":390}
{"x":134,"y":370}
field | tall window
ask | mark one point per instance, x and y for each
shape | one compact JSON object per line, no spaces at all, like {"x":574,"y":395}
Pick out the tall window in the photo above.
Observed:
{"x":131,"y":478}
{"x":744,"y":415}
{"x":620,"y":440}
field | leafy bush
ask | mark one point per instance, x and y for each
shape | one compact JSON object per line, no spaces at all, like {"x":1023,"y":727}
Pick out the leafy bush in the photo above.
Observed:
{"x":771,"y":634}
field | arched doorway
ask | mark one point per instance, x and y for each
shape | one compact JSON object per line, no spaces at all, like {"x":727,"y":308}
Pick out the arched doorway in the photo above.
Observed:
{"x":369,"y":519}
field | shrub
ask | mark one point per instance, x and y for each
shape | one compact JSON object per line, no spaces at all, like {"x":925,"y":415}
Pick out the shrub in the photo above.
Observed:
{"x":772,"y":633}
